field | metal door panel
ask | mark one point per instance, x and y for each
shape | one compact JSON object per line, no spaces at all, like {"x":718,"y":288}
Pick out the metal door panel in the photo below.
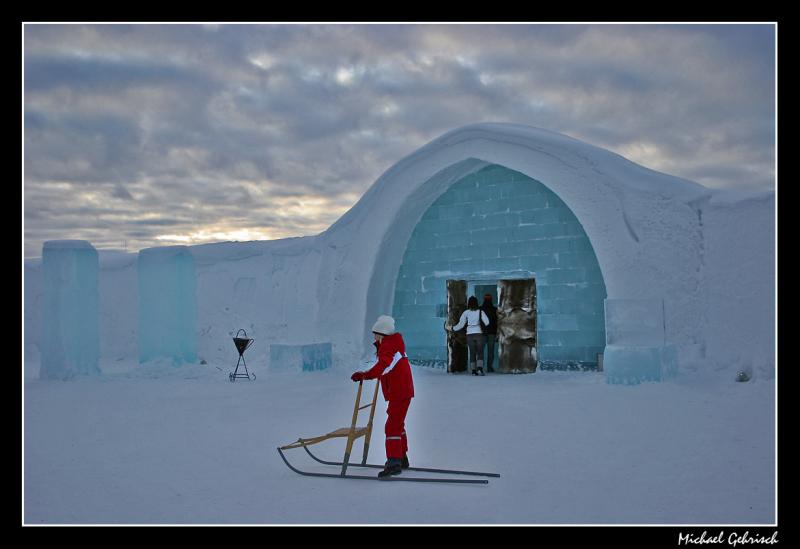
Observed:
{"x":516,"y":325}
{"x":456,"y":341}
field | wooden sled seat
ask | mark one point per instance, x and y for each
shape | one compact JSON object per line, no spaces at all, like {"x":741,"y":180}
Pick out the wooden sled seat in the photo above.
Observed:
{"x":350,"y":433}
{"x":343,"y":432}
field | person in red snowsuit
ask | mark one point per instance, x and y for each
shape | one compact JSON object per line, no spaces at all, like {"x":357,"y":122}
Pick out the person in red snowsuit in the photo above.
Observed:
{"x":394,"y":372}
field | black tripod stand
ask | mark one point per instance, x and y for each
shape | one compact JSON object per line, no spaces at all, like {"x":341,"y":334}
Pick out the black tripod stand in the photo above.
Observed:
{"x":242,"y":344}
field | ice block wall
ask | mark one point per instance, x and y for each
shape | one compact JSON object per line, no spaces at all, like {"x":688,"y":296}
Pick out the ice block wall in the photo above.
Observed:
{"x":167,"y":304}
{"x":637,"y":322}
{"x":70,"y":334}
{"x":498,"y":223}
{"x":306,"y":358}
{"x":636,"y":349}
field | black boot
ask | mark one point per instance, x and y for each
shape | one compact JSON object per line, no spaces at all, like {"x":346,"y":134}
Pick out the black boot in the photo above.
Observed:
{"x":404,"y":463}
{"x":393,"y":467}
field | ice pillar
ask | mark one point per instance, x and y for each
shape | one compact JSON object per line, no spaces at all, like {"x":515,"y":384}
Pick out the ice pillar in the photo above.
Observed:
{"x":636,"y":349}
{"x":70,"y":338}
{"x":167,"y":304}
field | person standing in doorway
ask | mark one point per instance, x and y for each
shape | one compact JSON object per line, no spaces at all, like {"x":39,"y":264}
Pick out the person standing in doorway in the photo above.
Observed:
{"x":490,"y":332}
{"x":474,"y":319}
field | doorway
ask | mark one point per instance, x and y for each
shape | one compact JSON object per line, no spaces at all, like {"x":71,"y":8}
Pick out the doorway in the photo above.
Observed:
{"x":481,"y":289}
{"x":516,"y":323}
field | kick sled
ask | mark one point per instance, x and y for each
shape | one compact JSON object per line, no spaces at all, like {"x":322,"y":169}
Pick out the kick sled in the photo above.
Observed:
{"x":351,"y":434}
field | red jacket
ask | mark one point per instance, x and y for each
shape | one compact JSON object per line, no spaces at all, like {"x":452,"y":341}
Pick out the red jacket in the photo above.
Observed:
{"x":393,"y":368}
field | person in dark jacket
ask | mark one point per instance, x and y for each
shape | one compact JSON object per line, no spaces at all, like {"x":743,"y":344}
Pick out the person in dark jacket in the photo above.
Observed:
{"x":394,"y":372}
{"x":490,"y":332}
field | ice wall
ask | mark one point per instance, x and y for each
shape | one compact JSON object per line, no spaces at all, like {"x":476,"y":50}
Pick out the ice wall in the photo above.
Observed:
{"x":494,"y":224}
{"x":306,"y":358}
{"x":268,"y":288}
{"x":641,"y":224}
{"x":632,"y":365}
{"x":70,"y":342}
{"x":635,"y":322}
{"x":740,"y":278}
{"x":167,"y":304}
{"x":636,"y":349}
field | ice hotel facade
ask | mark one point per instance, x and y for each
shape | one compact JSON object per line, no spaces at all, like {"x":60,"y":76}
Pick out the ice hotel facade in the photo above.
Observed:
{"x":594,"y":261}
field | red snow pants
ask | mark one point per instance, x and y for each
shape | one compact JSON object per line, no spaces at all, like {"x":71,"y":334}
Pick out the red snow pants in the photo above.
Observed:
{"x":396,"y":441}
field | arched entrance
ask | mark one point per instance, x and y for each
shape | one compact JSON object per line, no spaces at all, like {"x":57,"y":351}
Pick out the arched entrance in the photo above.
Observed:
{"x":498,"y":224}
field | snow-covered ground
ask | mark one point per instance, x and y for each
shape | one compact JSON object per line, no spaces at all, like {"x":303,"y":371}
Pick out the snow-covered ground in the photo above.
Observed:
{"x":156,"y":444}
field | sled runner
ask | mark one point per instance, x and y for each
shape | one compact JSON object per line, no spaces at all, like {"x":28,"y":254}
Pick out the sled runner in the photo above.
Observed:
{"x":420,"y":469}
{"x":351,"y":434}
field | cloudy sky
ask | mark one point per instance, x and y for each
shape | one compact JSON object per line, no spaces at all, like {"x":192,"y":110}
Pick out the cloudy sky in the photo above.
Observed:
{"x":151,"y":135}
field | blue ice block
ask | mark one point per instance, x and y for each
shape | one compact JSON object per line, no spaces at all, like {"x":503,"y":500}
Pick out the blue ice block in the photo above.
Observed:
{"x":285,"y":357}
{"x":631,"y":365}
{"x":70,"y":327}
{"x":317,"y":356}
{"x":306,"y":358}
{"x":634,"y":322}
{"x":167,"y":304}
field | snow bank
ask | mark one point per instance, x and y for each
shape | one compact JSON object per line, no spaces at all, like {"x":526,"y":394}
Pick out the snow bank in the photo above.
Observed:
{"x":740,"y":281}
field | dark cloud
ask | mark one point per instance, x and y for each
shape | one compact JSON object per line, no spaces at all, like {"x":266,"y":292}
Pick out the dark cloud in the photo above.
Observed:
{"x":121,"y":192}
{"x":98,"y":75}
{"x":88,"y":148}
{"x":138,"y":133}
